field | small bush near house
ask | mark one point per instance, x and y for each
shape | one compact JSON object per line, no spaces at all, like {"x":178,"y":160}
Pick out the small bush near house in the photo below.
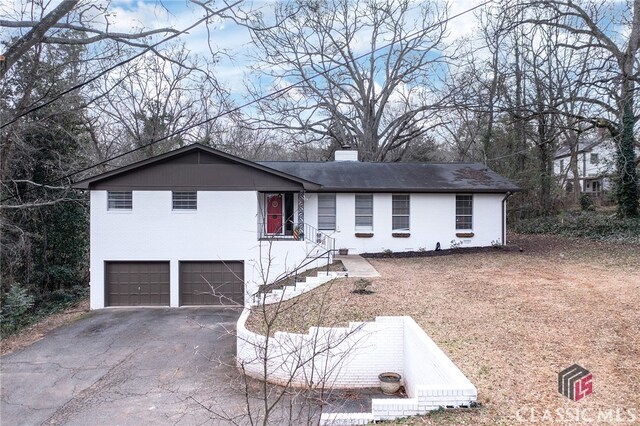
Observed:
{"x":586,"y":203}
{"x":586,"y":224}
{"x":455,"y":244}
{"x":20,"y":309}
{"x":15,"y":305}
{"x":361,"y":286}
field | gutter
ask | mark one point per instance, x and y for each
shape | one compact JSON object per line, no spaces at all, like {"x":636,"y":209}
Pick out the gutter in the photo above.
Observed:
{"x":504,"y":221}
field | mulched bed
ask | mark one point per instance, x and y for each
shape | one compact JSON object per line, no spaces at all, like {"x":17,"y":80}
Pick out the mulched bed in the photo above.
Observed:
{"x":443,"y":252}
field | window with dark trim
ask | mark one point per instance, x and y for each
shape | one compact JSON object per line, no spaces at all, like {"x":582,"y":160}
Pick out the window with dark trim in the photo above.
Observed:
{"x":184,"y":200}
{"x":593,"y":158}
{"x":327,"y":212}
{"x":364,"y":211}
{"x":464,"y":212}
{"x":400,"y":212}
{"x":119,"y":200}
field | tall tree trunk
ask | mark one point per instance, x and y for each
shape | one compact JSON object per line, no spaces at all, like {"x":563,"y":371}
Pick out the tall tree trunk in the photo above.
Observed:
{"x":488,"y":135}
{"x":573,"y":138}
{"x":521,"y":143}
{"x":544,"y":156}
{"x":627,"y":179}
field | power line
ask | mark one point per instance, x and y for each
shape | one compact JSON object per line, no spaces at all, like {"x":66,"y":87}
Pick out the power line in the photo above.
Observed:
{"x":276,"y":93}
{"x":117,"y":65}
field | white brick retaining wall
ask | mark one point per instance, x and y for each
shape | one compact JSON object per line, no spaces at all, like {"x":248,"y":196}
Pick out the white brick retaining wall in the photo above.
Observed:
{"x":352,"y":357}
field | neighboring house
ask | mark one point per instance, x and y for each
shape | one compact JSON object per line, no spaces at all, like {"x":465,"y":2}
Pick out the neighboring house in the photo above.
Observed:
{"x":167,"y":229}
{"x":595,"y":166}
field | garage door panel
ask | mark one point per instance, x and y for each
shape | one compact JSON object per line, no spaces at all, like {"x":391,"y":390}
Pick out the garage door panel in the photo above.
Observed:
{"x":211,"y":283}
{"x":137,"y":283}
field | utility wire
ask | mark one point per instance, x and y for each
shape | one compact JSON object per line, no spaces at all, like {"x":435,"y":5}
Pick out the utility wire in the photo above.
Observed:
{"x":117,"y":65}
{"x":276,"y":93}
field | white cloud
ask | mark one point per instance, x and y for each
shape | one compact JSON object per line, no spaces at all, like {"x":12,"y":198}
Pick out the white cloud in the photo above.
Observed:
{"x":226,"y":36}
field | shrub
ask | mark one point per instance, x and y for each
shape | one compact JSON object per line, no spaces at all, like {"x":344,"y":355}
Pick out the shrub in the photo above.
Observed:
{"x":585,"y":224}
{"x":361,"y":285}
{"x":454,"y":245}
{"x":586,"y":202}
{"x":16,"y":305}
{"x":20,"y":309}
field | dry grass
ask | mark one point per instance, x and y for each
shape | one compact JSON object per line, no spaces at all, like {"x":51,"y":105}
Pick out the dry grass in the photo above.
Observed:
{"x":35,"y":332}
{"x":509,"y":320}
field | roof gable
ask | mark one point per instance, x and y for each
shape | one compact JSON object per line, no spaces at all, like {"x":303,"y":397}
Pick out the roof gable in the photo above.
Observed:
{"x":195,"y":167}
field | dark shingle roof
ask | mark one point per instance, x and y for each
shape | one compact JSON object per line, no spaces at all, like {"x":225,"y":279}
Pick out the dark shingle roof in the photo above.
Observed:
{"x":350,"y":176}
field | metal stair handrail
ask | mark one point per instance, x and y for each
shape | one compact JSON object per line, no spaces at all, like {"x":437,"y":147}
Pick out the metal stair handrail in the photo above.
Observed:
{"x":315,"y":236}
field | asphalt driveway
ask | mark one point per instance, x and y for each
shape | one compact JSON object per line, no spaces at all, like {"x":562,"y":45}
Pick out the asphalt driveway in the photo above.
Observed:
{"x":125,"y":367}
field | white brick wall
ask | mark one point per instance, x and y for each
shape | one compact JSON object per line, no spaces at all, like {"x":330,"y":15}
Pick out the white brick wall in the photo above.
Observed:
{"x":432,"y":221}
{"x":224,"y":227}
{"x":352,"y":357}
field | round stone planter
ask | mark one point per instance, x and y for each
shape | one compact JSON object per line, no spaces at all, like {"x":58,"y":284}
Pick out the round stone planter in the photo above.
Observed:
{"x":389,"y":382}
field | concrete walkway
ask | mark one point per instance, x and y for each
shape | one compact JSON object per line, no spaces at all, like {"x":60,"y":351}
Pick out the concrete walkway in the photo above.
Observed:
{"x":357,"y":266}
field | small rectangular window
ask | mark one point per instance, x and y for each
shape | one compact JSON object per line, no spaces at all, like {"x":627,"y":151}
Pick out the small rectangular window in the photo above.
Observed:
{"x":364,"y":211}
{"x":185,"y":200}
{"x":464,"y":212}
{"x":119,"y":200}
{"x":400,"y":212}
{"x":594,"y":159}
{"x":327,"y":212}
{"x":561,"y":166}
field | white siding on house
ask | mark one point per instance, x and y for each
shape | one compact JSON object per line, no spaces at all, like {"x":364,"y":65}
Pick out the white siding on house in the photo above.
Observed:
{"x":432,"y":219}
{"x":224,"y":227}
{"x":605,"y":166}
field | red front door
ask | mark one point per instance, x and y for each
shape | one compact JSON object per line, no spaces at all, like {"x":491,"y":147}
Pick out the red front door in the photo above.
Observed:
{"x":274,"y":214}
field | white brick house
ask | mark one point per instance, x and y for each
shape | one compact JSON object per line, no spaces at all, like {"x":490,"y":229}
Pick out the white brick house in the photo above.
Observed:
{"x":167,"y":228}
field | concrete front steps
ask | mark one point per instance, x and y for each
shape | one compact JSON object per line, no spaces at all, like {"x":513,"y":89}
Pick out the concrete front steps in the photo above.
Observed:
{"x":290,"y":291}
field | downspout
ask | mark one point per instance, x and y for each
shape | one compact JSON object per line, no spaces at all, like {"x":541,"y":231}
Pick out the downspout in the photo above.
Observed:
{"x":504,"y":221}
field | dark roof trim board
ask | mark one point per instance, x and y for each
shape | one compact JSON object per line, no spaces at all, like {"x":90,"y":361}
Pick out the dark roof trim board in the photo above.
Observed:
{"x":88,"y":183}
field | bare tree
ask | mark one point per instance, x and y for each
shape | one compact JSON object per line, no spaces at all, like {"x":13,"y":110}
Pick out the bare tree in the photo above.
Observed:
{"x":283,"y":378}
{"x":80,"y":24}
{"x":51,"y":124}
{"x":153,"y":99}
{"x":463,"y":125}
{"x":611,"y":78}
{"x":365,"y":72}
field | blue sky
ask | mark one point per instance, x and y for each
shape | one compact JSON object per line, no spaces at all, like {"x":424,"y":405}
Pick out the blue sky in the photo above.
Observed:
{"x":225,"y":35}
